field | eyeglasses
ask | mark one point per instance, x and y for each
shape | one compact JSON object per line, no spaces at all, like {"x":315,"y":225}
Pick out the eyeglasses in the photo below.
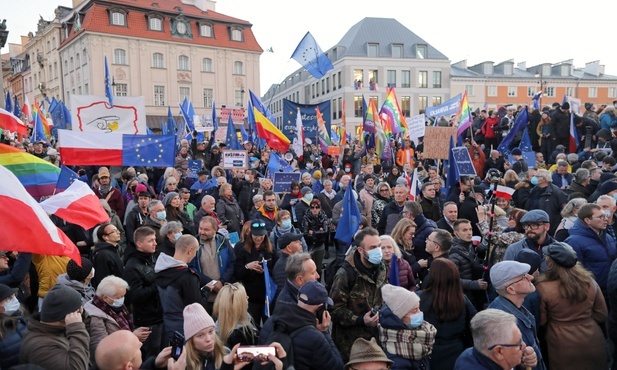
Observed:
{"x":525,"y":277}
{"x":113,"y":231}
{"x":103,"y":177}
{"x":432,"y":241}
{"x":519,"y":345}
{"x":601,"y":217}
{"x":315,"y":207}
{"x":383,"y":190}
{"x":258,"y":224}
{"x":533,"y":226}
{"x":173,"y":183}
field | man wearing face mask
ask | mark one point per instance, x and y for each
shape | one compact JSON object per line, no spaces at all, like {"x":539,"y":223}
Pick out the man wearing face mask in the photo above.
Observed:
{"x":303,"y":204}
{"x":547,"y":197}
{"x":215,"y":259}
{"x":356,"y":292}
{"x":157,"y":217}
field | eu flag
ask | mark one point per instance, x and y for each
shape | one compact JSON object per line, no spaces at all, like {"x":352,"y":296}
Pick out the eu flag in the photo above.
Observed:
{"x":393,"y":277}
{"x":232,"y":138}
{"x":8,"y":103}
{"x":350,"y":218}
{"x":108,"y":92}
{"x":452,"y":170}
{"x":16,"y":109}
{"x":148,"y":151}
{"x":270,"y":288}
{"x":312,"y":58}
{"x":65,"y":179}
{"x":519,"y":124}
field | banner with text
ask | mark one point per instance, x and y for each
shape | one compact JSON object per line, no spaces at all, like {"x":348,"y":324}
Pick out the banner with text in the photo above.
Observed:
{"x":447,"y":108}
{"x":417,"y":126}
{"x":463,"y":161}
{"x":282,"y":181}
{"x":309,"y":119}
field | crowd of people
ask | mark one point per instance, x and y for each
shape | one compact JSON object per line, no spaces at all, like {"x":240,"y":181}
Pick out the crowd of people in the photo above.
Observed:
{"x":465,"y":277}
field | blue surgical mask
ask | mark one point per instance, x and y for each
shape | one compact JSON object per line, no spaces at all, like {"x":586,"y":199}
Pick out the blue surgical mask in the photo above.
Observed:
{"x":286,"y":224}
{"x":374,"y":256}
{"x":177,"y":236}
{"x":309,"y":196}
{"x":607,"y":213}
{"x":118,"y":302}
{"x":415,"y":320}
{"x":534,"y":181}
{"x":615,"y":196}
{"x":161,"y":215}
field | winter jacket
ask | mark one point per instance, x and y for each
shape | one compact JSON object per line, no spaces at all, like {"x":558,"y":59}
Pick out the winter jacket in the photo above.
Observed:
{"x":114,"y":200}
{"x":253,"y":281}
{"x":278,"y":231}
{"x":430,"y":208}
{"x":106,"y":261}
{"x":262,"y":215}
{"x":595,"y":251}
{"x":551,"y":201}
{"x":472,"y":359}
{"x":379,"y":204}
{"x":10,"y":343}
{"x":608,"y":121}
{"x":101,"y":325}
{"x":134,"y":219}
{"x":48,"y":268}
{"x":560,"y":124}
{"x":229,"y":210}
{"x":178,"y":287}
{"x":139,"y":273}
{"x":405,"y":274}
{"x":424,"y":228}
{"x":514,"y":248}
{"x":319,"y":226}
{"x":488,"y":129}
{"x":225,"y":257}
{"x":469,"y":266}
{"x":55,"y":347}
{"x":389,"y":217}
{"x":86,"y":291}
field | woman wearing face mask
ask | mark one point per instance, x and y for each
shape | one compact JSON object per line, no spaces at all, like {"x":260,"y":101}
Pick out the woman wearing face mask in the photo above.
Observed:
{"x":12,"y":327}
{"x":292,"y":198}
{"x":284,"y":226}
{"x":404,"y":335}
{"x":78,"y":278}
{"x":303,"y":205}
{"x":174,"y":212}
{"x":314,"y":226}
{"x":109,"y":314}
{"x":171,"y":232}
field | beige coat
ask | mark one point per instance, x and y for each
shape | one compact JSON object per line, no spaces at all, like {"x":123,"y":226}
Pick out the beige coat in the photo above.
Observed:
{"x":573,"y":334}
{"x":101,"y":325}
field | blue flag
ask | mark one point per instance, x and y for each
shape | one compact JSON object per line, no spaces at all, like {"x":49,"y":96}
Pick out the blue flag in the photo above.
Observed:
{"x":270,"y":288}
{"x":108,"y":93}
{"x":245,"y":135}
{"x":525,"y":144}
{"x":317,"y":187}
{"x":65,"y":179}
{"x":394,"y":278}
{"x":276,"y":164}
{"x":16,"y":109}
{"x":38,"y":132}
{"x":310,"y":55}
{"x":519,"y":124}
{"x":451,"y":169}
{"x":232,"y":138}
{"x":215,"y":121}
{"x":8,"y":103}
{"x":536,"y":98}
{"x":146,"y":150}
{"x":171,"y":124}
{"x":350,"y":218}
{"x":187,"y":110}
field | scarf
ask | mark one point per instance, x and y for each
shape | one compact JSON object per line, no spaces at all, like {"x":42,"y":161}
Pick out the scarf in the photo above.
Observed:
{"x":413,"y":344}
{"x":104,"y":190}
{"x":122,"y":317}
{"x":330,"y":195}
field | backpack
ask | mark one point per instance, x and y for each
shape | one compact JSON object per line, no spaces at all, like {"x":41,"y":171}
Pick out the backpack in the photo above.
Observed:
{"x":331,"y":270}
{"x":280,"y":335}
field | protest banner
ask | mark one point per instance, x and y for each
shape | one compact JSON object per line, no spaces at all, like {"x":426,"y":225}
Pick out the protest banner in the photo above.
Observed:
{"x":234,"y":159}
{"x":437,"y":141}
{"x":282,"y":181}
{"x":448,"y":108}
{"x":463,"y":161}
{"x":203,"y":123}
{"x":416,"y":127}
{"x":194,"y":168}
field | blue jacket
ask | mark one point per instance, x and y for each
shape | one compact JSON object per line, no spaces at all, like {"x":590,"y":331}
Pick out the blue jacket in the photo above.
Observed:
{"x":472,"y":359}
{"x":11,"y":343}
{"x":557,"y":179}
{"x":526,"y":324}
{"x":225,"y":257}
{"x":595,"y":251}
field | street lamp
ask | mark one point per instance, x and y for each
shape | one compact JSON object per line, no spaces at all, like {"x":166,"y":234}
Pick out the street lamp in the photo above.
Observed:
{"x":542,"y":84}
{"x":242,"y":95}
{"x":4,"y":34}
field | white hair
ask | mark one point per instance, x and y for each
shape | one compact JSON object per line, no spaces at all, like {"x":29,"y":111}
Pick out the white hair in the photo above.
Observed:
{"x":109,"y":286}
{"x":490,"y":327}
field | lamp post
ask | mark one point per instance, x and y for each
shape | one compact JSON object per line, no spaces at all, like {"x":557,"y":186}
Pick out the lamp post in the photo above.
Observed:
{"x":4,"y":34}
{"x":542,"y":84}
{"x":242,"y":96}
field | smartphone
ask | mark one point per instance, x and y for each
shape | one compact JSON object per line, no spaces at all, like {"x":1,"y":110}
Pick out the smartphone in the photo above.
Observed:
{"x":255,"y":353}
{"x":320,"y":311}
{"x":177,"y":343}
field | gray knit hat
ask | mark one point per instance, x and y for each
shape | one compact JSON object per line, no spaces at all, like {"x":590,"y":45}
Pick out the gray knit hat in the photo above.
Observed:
{"x":168,"y":197}
{"x":59,"y":302}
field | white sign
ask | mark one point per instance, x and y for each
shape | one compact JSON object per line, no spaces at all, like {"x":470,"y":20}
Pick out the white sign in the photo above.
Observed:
{"x":234,"y":159}
{"x":203,"y":123}
{"x":90,"y":113}
{"x":575,"y":105}
{"x":417,"y":127}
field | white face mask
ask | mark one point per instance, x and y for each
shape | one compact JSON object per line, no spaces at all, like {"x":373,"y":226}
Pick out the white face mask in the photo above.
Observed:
{"x":118,"y":302}
{"x":11,"y":306}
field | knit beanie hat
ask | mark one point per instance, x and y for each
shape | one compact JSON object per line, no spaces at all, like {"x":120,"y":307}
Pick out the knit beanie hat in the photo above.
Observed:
{"x":399,"y":300}
{"x":77,"y":273}
{"x":59,"y":302}
{"x":195,"y":319}
{"x":168,"y":197}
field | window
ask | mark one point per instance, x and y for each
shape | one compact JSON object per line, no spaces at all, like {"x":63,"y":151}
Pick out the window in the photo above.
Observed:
{"x":375,"y":100}
{"x":373,"y":79}
{"x":340,"y":108}
{"x":340,"y":81}
{"x":317,"y":87}
{"x":406,"y":106}
{"x":549,"y":92}
{"x":66,"y":67}
{"x":507,"y":69}
{"x":120,"y":56}
{"x":238,"y":97}
{"x":328,"y":84}
{"x":49,"y":75}
{"x":72,"y":64}
{"x":391,"y":78}
{"x":158,"y":60}
{"x":85,"y":57}
{"x":334,"y":108}
{"x":54,"y":43}
{"x":120,"y":89}
{"x":470,"y":90}
{"x":492,"y":90}
{"x":79,"y":90}
{"x":423,"y":79}
{"x":436,"y":100}
{"x":55,"y":69}
{"x":357,"y":106}
{"x":77,"y":63}
{"x":205,"y":30}
{"x":208,"y":95}
{"x":593,"y":92}
{"x":612,"y":92}
{"x":357,"y":78}
{"x":313,"y":91}
{"x":421,"y":51}
{"x":405,"y":78}
{"x":183,"y":63}
{"x":118,"y":19}
{"x":236,"y":35}
{"x":334,"y":82}
{"x":531,"y":91}
{"x":159,"y":95}
{"x":570,"y":91}
{"x":185,"y":92}
{"x":511,"y":91}
{"x":422,"y":103}
{"x":156,"y":24}
{"x":206,"y":65}
{"x":436,"y":79}
{"x":323,"y":87}
{"x":397,"y":51}
{"x":373,"y":50}
{"x":86,"y":89}
{"x":238,"y":68}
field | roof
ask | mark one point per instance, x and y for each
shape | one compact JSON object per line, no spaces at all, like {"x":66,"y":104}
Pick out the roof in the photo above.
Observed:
{"x":385,"y":32}
{"x":96,"y":20}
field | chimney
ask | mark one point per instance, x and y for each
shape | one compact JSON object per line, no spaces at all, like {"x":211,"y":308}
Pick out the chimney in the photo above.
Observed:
{"x":203,"y":5}
{"x":522,"y":66}
{"x":76,"y":3}
{"x":593,"y":68}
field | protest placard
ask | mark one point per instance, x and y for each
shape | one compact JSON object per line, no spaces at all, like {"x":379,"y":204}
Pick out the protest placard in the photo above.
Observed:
{"x":234,"y":159}
{"x":437,"y":141}
{"x":463,"y":161}
{"x":282,"y":181}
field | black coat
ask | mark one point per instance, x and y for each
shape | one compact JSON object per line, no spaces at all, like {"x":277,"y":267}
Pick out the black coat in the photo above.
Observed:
{"x":139,"y":273}
{"x":106,"y":261}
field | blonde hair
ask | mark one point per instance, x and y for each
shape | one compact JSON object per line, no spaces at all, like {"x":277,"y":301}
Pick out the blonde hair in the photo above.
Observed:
{"x":400,"y":229}
{"x":397,"y":250}
{"x":231,"y":310}
{"x":193,"y":356}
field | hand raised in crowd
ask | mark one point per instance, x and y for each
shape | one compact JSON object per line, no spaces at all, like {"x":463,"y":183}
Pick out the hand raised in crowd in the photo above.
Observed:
{"x":73,"y":317}
{"x":370,"y":319}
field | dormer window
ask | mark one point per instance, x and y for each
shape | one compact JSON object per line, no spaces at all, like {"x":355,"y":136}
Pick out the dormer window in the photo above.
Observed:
{"x":118,"y":18}
{"x":205,"y":30}
{"x":236,"y":34}
{"x":421,"y":51}
{"x":156,"y":24}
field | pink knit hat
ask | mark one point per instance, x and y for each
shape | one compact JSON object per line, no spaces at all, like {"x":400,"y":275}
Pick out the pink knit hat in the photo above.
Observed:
{"x":195,"y":319}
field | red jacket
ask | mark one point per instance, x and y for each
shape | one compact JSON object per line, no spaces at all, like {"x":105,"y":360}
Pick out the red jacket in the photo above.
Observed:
{"x":488,"y":129}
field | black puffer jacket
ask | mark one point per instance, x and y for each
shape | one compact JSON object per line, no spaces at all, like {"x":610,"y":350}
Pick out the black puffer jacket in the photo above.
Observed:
{"x":469,"y":265}
{"x":139,"y":273}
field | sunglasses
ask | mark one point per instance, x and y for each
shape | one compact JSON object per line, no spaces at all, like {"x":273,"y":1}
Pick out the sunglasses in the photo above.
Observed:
{"x":315,"y":207}
{"x":258,"y":224}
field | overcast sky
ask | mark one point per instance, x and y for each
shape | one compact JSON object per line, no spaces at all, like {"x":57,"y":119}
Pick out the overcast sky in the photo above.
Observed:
{"x":529,"y":31}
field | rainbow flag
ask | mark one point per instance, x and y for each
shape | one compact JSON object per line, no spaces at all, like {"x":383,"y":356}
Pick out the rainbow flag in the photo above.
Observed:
{"x":38,"y":114}
{"x":380,"y":135}
{"x":463,"y":120}
{"x":322,"y":133}
{"x":39,"y":177}
{"x":266,"y":130}
{"x":390,"y":113}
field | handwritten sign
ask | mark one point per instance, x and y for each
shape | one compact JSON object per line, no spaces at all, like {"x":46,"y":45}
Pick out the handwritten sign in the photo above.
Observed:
{"x":234,"y":159}
{"x":437,"y":141}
